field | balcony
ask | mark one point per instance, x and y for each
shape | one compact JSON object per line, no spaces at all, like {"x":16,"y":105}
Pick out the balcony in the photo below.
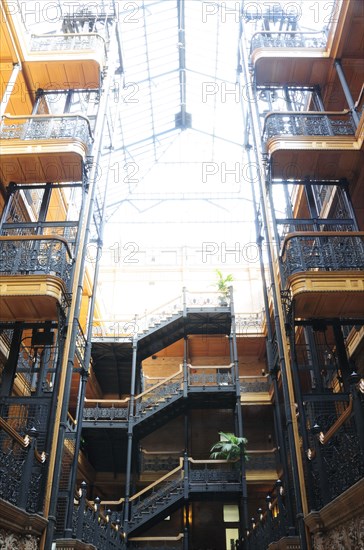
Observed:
{"x":35,"y":276}
{"x":319,"y":145}
{"x":255,"y":390}
{"x":64,"y":61}
{"x":43,"y":148}
{"x":324,"y":272}
{"x":292,"y":57}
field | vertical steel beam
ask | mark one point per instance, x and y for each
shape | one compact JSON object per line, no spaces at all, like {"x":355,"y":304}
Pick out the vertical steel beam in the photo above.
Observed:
{"x":347,"y":92}
{"x":287,"y":383}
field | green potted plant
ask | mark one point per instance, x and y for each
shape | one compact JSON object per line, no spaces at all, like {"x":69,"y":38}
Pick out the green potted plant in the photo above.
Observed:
{"x":223,"y":286}
{"x":230,"y":447}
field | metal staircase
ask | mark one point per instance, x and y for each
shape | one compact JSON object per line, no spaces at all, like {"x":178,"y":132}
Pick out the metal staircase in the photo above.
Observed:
{"x":191,"y":477}
{"x":164,"y":400}
{"x":157,"y":501}
{"x":158,"y":397}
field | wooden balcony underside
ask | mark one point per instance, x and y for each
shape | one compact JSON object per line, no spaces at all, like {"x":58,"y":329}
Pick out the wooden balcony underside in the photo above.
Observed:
{"x":317,"y":157}
{"x":298,"y":67}
{"x":55,"y":72}
{"x":40,"y":161}
{"x":30,"y":297}
{"x":328,"y":293}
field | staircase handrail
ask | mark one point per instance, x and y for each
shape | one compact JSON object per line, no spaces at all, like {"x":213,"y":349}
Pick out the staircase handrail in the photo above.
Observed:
{"x":148,"y":488}
{"x":211,"y":461}
{"x":126,"y":400}
{"x":161,"y":383}
{"x":144,"y":451}
{"x":325,"y":438}
{"x":22,"y":441}
{"x":160,"y":480}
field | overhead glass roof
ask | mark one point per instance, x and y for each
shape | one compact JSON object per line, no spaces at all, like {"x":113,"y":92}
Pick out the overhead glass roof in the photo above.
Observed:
{"x":179,"y":108}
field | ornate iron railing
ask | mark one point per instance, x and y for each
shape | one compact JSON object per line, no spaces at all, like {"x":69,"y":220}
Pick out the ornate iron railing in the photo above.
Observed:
{"x":288,"y":39}
{"x":329,"y":251}
{"x":145,"y":404}
{"x":25,"y":413}
{"x":156,"y":497}
{"x":335,"y":458}
{"x":271,"y":524}
{"x":308,"y":123}
{"x":57,"y":127}
{"x":68,"y":232}
{"x":249,"y":323}
{"x":91,"y":526}
{"x":157,"y":396}
{"x":222,"y":375}
{"x":118,"y":411}
{"x":80,"y":346}
{"x":221,"y":472}
{"x":67,"y":42}
{"x":290,"y":225}
{"x":36,"y":255}
{"x":254,"y":384}
{"x":22,"y":469}
{"x":262,"y":460}
{"x":159,"y":461}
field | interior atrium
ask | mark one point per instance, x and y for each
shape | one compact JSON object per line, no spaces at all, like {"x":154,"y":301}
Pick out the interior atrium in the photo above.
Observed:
{"x":181,"y":275}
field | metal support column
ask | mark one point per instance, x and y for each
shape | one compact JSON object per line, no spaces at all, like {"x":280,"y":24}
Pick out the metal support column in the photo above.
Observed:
{"x":347,"y":92}
{"x":287,"y":383}
{"x":130,"y":436}
{"x":239,"y":416}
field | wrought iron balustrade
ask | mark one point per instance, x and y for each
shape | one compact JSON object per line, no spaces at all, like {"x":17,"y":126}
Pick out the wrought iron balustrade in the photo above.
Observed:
{"x":290,"y":225}
{"x":157,"y":396}
{"x":106,"y":410}
{"x":219,"y":472}
{"x":67,"y":231}
{"x":319,"y":251}
{"x":156,"y":498}
{"x":67,"y":42}
{"x":22,"y":468}
{"x":222,"y":375}
{"x":288,"y":39}
{"x":271,"y":523}
{"x":254,"y":384}
{"x":80,"y":346}
{"x":90,"y":525}
{"x":30,"y":255}
{"x":159,"y":461}
{"x":55,"y":127}
{"x":26,"y":413}
{"x":308,"y":123}
{"x":262,"y":460}
{"x":336,"y":461}
{"x":249,"y":323}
